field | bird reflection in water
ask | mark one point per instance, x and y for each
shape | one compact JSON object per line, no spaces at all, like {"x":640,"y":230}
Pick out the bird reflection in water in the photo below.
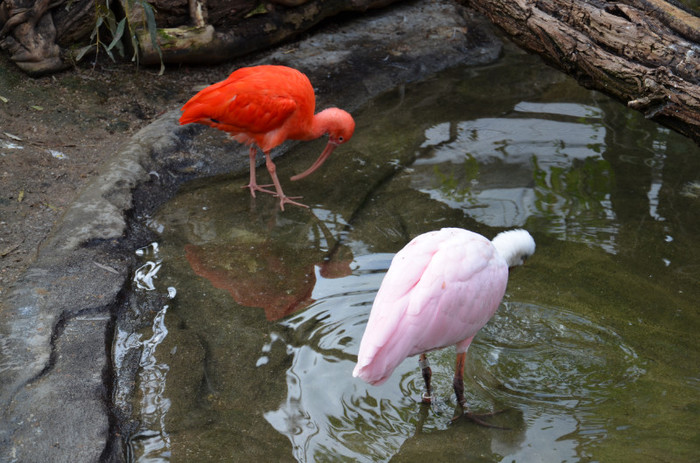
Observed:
{"x":270,"y":274}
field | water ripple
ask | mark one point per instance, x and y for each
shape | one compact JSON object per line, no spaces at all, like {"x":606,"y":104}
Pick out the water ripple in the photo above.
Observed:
{"x":540,"y":354}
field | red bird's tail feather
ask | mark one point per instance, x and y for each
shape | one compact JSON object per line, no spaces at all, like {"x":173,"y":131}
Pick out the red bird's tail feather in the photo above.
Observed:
{"x":201,"y":106}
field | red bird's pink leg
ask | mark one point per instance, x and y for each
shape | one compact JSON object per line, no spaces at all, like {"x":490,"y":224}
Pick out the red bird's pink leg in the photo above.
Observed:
{"x":427,"y":374}
{"x":273,"y":173}
{"x":253,"y":184}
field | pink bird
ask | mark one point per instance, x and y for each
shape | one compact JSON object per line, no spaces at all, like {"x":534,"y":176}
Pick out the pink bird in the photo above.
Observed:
{"x":265,"y":106}
{"x":440,"y":290}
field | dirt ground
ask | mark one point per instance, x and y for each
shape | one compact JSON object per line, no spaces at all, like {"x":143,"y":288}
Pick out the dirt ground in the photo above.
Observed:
{"x":56,"y":131}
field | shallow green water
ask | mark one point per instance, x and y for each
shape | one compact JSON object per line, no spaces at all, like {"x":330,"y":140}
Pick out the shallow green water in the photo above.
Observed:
{"x":593,"y":355}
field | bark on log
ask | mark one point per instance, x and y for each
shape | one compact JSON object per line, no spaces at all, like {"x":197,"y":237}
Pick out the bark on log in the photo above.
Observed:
{"x":29,"y":35}
{"x":266,"y":25}
{"x":44,"y":36}
{"x":644,"y":53}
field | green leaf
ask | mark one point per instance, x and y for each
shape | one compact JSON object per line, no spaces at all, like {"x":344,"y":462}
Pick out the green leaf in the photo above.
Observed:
{"x":117,"y":34}
{"x":98,"y":23}
{"x":82,"y":51}
{"x":111,"y":21}
{"x":152,"y":29}
{"x":260,"y":9}
{"x":109,"y":52}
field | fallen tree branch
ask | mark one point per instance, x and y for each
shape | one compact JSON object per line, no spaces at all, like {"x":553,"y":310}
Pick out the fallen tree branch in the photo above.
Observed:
{"x":642,"y":52}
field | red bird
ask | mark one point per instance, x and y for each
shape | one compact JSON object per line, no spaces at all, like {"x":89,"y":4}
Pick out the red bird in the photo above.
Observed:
{"x":265,"y":106}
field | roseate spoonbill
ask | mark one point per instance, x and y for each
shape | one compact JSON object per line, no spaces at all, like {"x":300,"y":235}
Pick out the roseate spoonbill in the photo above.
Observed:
{"x":440,"y":289}
{"x":265,"y":106}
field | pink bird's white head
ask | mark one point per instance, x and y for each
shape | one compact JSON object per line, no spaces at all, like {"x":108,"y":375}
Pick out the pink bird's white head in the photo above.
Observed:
{"x":515,"y":246}
{"x":338,"y":125}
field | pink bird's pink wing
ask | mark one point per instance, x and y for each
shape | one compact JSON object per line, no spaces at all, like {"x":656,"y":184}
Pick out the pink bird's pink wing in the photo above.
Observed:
{"x":392,"y":300}
{"x":440,"y":290}
{"x":458,"y":294}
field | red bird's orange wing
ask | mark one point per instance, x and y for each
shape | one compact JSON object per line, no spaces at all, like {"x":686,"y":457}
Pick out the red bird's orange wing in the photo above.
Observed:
{"x":257,"y":112}
{"x":252,"y":101}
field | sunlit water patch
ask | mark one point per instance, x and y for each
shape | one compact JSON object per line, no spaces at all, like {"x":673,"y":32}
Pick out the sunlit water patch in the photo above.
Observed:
{"x":327,"y":412}
{"x":543,"y":161}
{"x":151,"y":441}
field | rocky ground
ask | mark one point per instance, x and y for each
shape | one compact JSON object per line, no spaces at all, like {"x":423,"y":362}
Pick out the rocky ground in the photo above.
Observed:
{"x":57,"y":130}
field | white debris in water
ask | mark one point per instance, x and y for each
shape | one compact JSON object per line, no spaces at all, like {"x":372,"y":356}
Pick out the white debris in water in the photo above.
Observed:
{"x":150,"y":249}
{"x":691,"y":190}
{"x":145,"y":275}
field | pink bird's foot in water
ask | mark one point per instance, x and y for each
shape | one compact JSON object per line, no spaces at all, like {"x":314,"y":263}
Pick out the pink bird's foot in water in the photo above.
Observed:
{"x":478,"y":417}
{"x":284,"y":199}
{"x":253,"y":183}
{"x":458,"y":384}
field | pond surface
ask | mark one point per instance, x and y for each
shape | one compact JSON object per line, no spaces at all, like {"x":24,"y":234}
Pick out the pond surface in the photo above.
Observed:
{"x":593,"y":354}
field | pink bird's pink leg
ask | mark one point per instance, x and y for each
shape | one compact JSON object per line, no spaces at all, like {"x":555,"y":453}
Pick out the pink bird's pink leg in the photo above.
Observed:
{"x":458,"y":384}
{"x":253,"y":184}
{"x":458,"y":381}
{"x":427,"y":374}
{"x":273,"y":173}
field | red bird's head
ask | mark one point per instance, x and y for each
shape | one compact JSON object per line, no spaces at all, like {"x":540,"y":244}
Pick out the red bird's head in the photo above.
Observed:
{"x":338,"y":125}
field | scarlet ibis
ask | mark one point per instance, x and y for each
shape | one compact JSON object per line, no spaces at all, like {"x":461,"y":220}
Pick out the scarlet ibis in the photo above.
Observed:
{"x":264,"y":106}
{"x":440,"y":290}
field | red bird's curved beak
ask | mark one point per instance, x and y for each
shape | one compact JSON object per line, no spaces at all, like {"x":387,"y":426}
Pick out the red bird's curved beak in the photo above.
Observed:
{"x":321,"y":159}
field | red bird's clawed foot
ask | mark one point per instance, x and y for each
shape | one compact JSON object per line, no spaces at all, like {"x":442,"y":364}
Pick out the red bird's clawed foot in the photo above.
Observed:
{"x":478,"y":418}
{"x":253,"y":187}
{"x":290,"y":200}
